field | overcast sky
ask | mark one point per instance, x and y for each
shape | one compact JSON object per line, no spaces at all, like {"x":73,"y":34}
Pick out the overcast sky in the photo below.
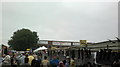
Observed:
{"x":92,"y":21}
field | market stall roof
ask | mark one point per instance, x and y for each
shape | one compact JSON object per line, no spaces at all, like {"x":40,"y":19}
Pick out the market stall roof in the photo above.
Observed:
{"x":40,"y":48}
{"x":5,"y":45}
{"x":43,"y":48}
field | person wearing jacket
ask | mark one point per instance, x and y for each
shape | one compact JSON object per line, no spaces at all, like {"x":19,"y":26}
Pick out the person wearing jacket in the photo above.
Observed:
{"x":54,"y":62}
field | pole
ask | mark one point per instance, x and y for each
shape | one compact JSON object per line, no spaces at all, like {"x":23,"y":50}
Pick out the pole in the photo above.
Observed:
{"x":86,"y":45}
{"x":107,"y":47}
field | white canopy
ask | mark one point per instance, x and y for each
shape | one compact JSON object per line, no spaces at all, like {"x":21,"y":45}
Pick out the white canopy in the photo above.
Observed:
{"x":43,"y":48}
{"x":40,"y":48}
{"x":5,"y":45}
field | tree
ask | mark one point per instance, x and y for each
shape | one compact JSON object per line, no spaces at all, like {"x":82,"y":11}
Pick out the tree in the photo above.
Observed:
{"x":23,"y":39}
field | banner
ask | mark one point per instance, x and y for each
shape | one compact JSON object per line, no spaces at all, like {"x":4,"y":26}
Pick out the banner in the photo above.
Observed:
{"x":28,"y":49}
{"x":83,"y":42}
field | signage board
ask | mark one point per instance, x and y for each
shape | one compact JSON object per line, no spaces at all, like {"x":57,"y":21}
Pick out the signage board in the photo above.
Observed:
{"x":83,"y":42}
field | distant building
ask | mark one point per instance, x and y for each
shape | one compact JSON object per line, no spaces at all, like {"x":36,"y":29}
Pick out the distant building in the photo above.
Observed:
{"x":58,"y":43}
{"x":111,"y":44}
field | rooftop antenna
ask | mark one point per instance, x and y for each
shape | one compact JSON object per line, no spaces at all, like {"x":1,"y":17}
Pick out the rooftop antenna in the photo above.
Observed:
{"x":118,"y":39}
{"x":111,"y":41}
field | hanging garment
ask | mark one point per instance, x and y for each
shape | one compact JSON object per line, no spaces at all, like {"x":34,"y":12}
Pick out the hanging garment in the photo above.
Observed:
{"x":101,"y":54}
{"x":117,"y":56}
{"x":86,"y":53}
{"x":109,"y":53}
{"x":73,"y":53}
{"x":67,"y":53}
{"x":104,"y":54}
{"x":89,"y":52}
{"x":79,"y":54}
{"x":48,"y":53}
{"x":58,"y":52}
{"x":82,"y":54}
{"x":62,"y":52}
{"x":113,"y":56}
{"x":98,"y":57}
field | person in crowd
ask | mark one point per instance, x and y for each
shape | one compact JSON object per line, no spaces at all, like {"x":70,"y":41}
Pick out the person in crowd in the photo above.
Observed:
{"x":57,"y":58}
{"x":6,"y":59}
{"x":1,"y":60}
{"x":30,"y":57}
{"x":35,"y":62}
{"x":39,"y":59}
{"x":22,"y":61}
{"x":116,"y":63}
{"x":26,"y":64}
{"x":61,"y":64}
{"x":18,"y":55}
{"x":38,"y":62}
{"x":45,"y":62}
{"x":26,"y":59}
{"x":13,"y":61}
{"x":54,"y":62}
{"x":72,"y":63}
{"x":89,"y":64}
{"x":64,"y":62}
{"x":67,"y":61}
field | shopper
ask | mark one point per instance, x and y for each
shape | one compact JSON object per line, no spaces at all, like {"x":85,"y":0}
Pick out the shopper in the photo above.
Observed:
{"x":6,"y":59}
{"x":22,"y":61}
{"x":30,"y":57}
{"x":72,"y":63}
{"x":26,"y":64}
{"x":54,"y":62}
{"x":61,"y":64}
{"x":45,"y":62}
{"x":13,"y":61}
{"x":34,"y":61}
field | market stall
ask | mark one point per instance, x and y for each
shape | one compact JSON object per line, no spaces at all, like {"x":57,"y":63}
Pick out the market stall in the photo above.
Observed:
{"x":40,"y":48}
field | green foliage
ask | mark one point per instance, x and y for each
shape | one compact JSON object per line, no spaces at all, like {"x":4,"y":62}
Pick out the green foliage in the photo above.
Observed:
{"x":23,"y":39}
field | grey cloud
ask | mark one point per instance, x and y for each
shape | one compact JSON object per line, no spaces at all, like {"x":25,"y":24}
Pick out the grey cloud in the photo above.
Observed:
{"x":94,"y":21}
